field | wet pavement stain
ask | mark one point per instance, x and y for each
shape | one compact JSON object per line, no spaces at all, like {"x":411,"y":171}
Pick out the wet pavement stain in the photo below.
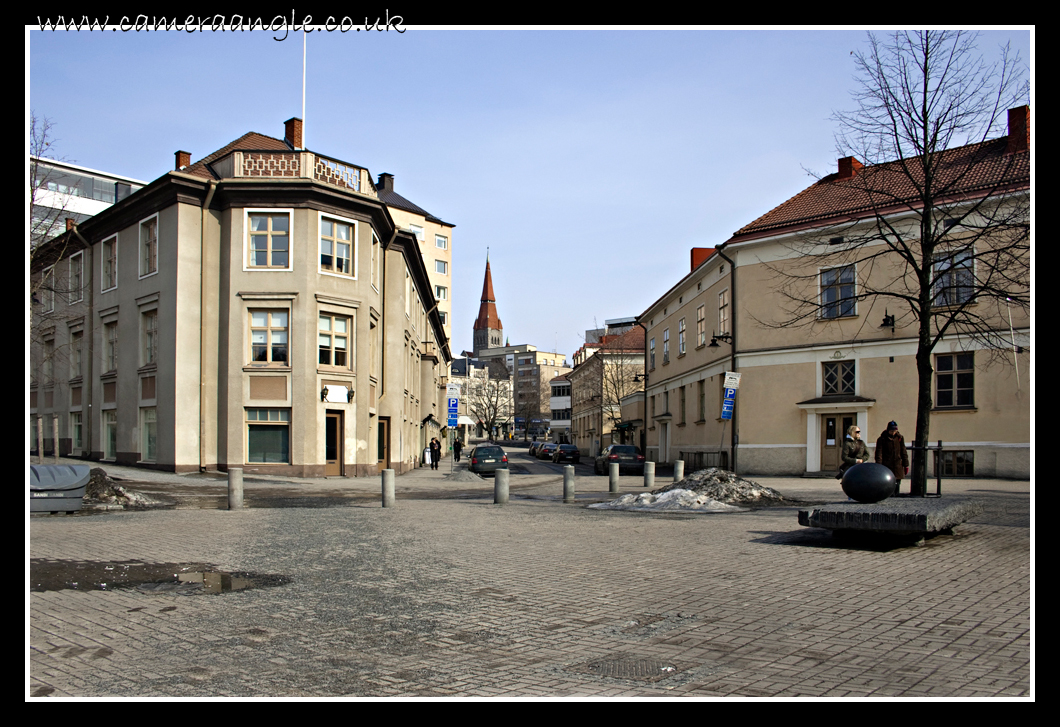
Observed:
{"x":151,"y":578}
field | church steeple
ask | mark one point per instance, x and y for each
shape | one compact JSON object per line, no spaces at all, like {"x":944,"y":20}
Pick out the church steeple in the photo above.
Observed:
{"x":488,"y":333}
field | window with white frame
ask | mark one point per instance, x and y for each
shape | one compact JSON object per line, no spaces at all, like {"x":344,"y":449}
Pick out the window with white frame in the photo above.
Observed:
{"x":444,"y":317}
{"x":441,"y":242}
{"x":375,"y":260}
{"x":76,"y":349}
{"x":109,"y":264}
{"x":417,"y":230}
{"x":148,"y":434}
{"x":338,"y":247}
{"x":837,"y":292}
{"x":47,"y":289}
{"x":954,"y":277}
{"x":148,"y":337}
{"x":441,"y":267}
{"x":666,"y":346}
{"x":955,"y":380}
{"x":651,"y":354}
{"x":268,"y":436}
{"x":110,"y":346}
{"x":701,"y":325}
{"x":268,"y":336}
{"x":723,"y":311}
{"x":149,"y":246}
{"x":76,"y":431}
{"x":110,"y":434}
{"x":441,"y":292}
{"x":333,"y":340}
{"x":681,"y":337}
{"x":269,"y":240}
{"x":77,"y":268}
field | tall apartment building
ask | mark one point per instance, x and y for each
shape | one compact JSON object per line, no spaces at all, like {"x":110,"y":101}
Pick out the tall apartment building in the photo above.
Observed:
{"x":260,"y":308}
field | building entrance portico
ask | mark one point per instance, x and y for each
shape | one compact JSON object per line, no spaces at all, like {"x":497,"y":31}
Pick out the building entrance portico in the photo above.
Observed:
{"x":827,"y":421}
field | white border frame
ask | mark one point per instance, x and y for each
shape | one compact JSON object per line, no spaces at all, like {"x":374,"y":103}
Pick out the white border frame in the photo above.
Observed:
{"x":353,"y":253}
{"x":140,"y":249}
{"x":247,"y":212}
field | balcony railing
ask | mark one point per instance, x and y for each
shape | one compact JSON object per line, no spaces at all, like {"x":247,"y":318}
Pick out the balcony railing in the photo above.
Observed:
{"x":294,"y":165}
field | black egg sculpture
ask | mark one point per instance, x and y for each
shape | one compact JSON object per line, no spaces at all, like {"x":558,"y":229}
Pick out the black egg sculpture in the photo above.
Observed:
{"x":868,"y":482}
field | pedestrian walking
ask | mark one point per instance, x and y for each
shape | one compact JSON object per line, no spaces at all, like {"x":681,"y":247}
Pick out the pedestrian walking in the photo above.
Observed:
{"x":854,"y":450}
{"x":892,"y":454}
{"x":457,"y":446}
{"x":436,"y":453}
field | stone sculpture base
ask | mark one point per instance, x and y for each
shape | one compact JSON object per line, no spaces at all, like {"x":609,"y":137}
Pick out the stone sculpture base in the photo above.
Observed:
{"x":911,"y":517}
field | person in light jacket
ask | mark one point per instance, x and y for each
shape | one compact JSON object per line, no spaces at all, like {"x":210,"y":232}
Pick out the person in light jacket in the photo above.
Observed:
{"x":892,"y":454}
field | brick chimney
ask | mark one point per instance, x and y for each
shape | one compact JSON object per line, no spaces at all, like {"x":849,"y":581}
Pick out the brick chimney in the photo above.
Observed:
{"x":848,"y":167}
{"x":183,"y":159}
{"x":1019,"y":130}
{"x":700,"y":255}
{"x":292,"y":132}
{"x":386,"y":182}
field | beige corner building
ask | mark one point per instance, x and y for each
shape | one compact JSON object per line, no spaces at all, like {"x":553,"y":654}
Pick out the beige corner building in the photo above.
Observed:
{"x":260,"y":308}
{"x":853,"y":361}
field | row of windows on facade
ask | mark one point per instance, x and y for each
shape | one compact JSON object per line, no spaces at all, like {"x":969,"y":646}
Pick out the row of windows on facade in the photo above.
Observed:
{"x":701,"y":331}
{"x":269,"y":333}
{"x":83,"y":185}
{"x":954,"y":385}
{"x":268,"y":434}
{"x":268,"y":248}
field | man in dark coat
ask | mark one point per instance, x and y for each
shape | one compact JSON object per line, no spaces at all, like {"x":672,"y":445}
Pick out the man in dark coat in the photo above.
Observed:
{"x":436,"y":453}
{"x":892,"y":454}
{"x":457,"y":446}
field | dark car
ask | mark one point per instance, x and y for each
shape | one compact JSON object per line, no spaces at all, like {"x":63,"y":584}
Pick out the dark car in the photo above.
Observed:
{"x":567,"y":453}
{"x":533,"y":448}
{"x":545,"y":450}
{"x":627,"y":456}
{"x":486,"y":459}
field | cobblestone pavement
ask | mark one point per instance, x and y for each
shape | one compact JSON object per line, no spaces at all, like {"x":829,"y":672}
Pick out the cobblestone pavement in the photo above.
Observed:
{"x":443,"y":596}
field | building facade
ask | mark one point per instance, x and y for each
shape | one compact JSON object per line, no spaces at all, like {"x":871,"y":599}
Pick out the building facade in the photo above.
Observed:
{"x":260,"y":308}
{"x":599,"y":382}
{"x":852,"y":360}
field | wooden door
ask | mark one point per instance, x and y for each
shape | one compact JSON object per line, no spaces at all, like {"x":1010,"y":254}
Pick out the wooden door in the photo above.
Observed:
{"x":333,"y":440}
{"x":383,"y":450}
{"x":833,"y":432}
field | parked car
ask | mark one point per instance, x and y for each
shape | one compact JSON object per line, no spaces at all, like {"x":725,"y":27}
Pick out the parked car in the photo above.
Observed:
{"x":486,"y":459}
{"x":629,"y":459}
{"x":533,"y":448}
{"x":567,"y":453}
{"x":546,"y":449}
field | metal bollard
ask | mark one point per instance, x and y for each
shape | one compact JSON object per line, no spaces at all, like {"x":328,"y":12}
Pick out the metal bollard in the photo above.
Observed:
{"x":649,"y":474}
{"x":612,"y":477}
{"x":235,"y":488}
{"x":679,"y":469}
{"x":500,"y":487}
{"x":568,"y":483}
{"x":388,"y":488}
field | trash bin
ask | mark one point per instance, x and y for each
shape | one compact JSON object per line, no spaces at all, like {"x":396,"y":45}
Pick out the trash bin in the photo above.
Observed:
{"x":57,"y":487}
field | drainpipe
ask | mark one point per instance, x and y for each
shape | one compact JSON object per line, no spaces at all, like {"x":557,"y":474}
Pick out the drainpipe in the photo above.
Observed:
{"x":202,"y":318}
{"x":735,"y":414}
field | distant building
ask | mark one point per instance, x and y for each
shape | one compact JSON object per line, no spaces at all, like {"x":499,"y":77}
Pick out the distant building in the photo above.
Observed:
{"x":63,"y":190}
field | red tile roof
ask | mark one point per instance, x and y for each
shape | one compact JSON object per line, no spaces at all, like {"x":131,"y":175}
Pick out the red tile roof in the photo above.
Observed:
{"x":251,"y":141}
{"x":968,"y":171}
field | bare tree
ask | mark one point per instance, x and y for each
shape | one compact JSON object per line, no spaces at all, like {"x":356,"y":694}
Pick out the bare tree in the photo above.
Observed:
{"x":489,"y":395}
{"x":54,"y":278}
{"x":934,"y":227}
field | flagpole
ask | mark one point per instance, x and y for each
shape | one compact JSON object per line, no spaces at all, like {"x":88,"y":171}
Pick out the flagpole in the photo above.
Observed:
{"x":303,"y":87}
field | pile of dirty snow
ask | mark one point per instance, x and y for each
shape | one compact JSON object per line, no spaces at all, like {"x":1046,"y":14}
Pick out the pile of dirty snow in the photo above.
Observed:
{"x":464,"y":476}
{"x":724,"y":486}
{"x":673,"y":500}
{"x":103,"y":490}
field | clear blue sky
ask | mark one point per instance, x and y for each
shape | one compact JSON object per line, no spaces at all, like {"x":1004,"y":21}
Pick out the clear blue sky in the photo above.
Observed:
{"x":588,"y":161}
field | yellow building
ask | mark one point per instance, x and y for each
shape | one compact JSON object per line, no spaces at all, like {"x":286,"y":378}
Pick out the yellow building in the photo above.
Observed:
{"x":815,"y":315}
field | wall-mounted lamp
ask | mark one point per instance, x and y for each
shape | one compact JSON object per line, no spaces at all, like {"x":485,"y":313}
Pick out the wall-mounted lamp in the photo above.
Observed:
{"x":715,"y":337}
{"x":888,"y":321}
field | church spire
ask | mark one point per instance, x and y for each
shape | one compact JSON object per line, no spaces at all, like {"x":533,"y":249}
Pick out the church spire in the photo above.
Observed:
{"x":488,"y":331}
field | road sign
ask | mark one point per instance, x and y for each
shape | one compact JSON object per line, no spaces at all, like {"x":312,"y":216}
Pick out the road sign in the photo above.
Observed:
{"x":452,"y":420}
{"x":728,"y":404}
{"x":730,"y":393}
{"x":452,"y":389}
{"x":454,"y":404}
{"x":732,"y":380}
